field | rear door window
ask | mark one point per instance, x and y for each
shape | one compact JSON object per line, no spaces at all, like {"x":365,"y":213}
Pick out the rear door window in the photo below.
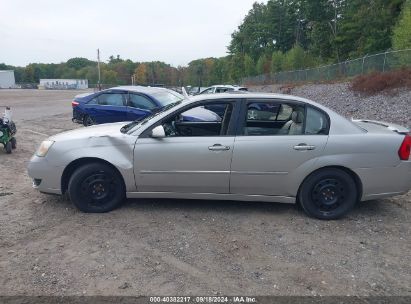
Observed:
{"x":264,"y":118}
{"x":111,"y":99}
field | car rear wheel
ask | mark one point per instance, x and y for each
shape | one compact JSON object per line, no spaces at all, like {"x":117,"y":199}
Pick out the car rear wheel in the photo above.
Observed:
{"x":13,"y":143}
{"x":96,"y":188}
{"x":328,"y":194}
{"x":88,"y":121}
{"x":8,"y":147}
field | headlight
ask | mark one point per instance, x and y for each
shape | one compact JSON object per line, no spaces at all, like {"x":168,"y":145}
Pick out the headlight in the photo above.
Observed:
{"x":44,"y":148}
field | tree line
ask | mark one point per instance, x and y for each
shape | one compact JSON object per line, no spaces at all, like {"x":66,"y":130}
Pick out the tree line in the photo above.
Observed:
{"x":296,"y":34}
{"x":277,"y":36}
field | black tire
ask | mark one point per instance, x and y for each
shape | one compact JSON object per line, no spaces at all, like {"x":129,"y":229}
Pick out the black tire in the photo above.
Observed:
{"x":13,"y":143}
{"x":88,"y":121}
{"x":96,"y":188}
{"x":328,"y":194}
{"x":8,"y":148}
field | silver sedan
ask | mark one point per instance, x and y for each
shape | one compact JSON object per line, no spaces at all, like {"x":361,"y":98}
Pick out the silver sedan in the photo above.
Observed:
{"x":258,"y":147}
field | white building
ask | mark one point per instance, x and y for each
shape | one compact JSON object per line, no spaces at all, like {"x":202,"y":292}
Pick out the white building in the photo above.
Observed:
{"x":7,"y":80}
{"x":64,"y":84}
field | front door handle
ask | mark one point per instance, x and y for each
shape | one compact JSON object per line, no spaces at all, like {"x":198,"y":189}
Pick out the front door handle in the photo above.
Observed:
{"x":218,"y":147}
{"x":304,"y":147}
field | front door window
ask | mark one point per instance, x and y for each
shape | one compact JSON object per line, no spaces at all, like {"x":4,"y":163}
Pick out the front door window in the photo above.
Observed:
{"x":212,"y":120}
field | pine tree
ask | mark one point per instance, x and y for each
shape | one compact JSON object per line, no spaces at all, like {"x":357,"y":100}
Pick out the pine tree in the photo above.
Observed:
{"x":249,"y":66}
{"x":366,"y":27}
{"x":402,"y":32}
{"x":294,"y":58}
{"x":261,"y":63}
{"x":277,"y":62}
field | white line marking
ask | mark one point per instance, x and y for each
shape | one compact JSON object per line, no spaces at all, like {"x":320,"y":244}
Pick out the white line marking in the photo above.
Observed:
{"x":38,"y":133}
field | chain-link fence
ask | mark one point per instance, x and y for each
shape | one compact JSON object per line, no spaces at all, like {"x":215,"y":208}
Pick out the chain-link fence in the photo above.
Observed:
{"x":390,"y":60}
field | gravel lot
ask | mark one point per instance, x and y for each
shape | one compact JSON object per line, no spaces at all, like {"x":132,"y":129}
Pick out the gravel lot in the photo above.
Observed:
{"x":172,"y":247}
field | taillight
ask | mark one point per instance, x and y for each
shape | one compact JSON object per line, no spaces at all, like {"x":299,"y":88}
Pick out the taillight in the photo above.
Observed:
{"x":405,"y":149}
{"x":74,"y":103}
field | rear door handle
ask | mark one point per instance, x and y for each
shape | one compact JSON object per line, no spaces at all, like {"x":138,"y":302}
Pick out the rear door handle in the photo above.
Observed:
{"x":304,"y":147}
{"x":218,"y":147}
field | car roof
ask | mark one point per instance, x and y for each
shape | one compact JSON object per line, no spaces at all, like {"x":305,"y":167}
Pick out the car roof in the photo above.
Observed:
{"x":222,"y":86}
{"x":251,"y":95}
{"x":140,"y":89}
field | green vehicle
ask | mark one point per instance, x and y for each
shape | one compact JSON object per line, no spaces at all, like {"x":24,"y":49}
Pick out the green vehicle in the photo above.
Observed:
{"x":7,"y":132}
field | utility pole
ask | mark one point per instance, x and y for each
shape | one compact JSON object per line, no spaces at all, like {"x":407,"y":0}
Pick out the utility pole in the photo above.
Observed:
{"x":99,"y":71}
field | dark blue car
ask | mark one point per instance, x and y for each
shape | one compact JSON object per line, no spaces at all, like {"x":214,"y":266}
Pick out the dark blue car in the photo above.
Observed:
{"x":121,"y":104}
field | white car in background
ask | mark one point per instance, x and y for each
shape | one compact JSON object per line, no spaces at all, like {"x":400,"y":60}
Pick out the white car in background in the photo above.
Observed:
{"x":223,"y":89}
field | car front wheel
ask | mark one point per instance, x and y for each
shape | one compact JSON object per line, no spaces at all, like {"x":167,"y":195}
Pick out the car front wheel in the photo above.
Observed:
{"x":328,"y":194}
{"x":96,"y":188}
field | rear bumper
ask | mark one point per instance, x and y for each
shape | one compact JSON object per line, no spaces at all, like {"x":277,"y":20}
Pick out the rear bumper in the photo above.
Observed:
{"x":385,"y":182}
{"x":77,"y":116}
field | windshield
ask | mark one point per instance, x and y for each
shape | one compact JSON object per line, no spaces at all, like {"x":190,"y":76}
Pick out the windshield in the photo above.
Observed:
{"x":166,"y":97}
{"x":144,"y":120}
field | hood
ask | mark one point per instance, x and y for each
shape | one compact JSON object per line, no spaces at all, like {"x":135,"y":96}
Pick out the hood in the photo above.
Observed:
{"x":104,"y":130}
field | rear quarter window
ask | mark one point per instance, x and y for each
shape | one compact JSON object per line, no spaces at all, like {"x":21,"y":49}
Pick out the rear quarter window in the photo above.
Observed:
{"x":317,"y":122}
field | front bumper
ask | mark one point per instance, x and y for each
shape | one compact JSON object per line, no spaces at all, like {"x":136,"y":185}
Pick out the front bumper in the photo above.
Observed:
{"x":46,"y":177}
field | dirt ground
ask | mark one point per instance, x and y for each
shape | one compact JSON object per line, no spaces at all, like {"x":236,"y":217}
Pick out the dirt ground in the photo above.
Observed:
{"x":172,"y":247}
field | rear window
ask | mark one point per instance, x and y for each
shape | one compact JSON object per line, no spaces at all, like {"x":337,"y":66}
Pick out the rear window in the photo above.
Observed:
{"x":223,"y":90}
{"x":165,"y":97}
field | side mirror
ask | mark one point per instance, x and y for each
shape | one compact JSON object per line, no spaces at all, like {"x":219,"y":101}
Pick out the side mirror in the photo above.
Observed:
{"x":158,"y":132}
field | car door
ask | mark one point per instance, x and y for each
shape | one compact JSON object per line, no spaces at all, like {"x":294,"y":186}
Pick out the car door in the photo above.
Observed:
{"x":193,"y":157}
{"x":110,"y":107}
{"x":273,"y":144}
{"x":139,"y":106}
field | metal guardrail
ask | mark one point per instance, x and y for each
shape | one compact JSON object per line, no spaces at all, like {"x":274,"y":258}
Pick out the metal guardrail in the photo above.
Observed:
{"x":390,"y":60}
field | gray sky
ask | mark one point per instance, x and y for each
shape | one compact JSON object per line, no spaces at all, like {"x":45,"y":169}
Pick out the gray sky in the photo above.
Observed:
{"x":174,"y":31}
